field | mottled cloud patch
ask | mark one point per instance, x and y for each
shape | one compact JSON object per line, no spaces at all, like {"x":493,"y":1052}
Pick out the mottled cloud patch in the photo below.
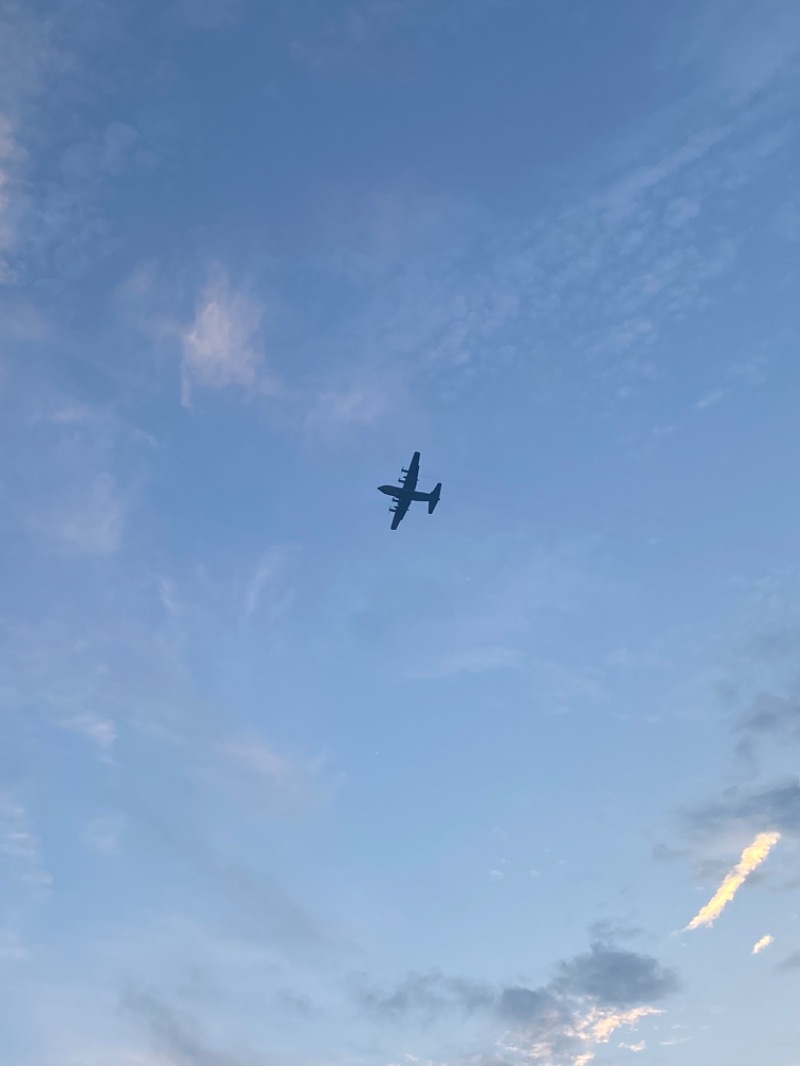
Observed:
{"x":221,"y":346}
{"x":763,"y":944}
{"x":752,"y":857}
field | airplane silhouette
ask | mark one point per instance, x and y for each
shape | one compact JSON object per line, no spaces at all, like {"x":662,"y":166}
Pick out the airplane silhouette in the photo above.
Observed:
{"x":406,"y":492}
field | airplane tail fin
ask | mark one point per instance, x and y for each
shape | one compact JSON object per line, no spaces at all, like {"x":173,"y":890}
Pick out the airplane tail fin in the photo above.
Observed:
{"x":433,"y":499}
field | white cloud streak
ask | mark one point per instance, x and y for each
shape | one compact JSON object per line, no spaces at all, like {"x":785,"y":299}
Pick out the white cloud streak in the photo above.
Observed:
{"x":752,"y":857}
{"x":763,"y":944}
{"x":20,"y":848}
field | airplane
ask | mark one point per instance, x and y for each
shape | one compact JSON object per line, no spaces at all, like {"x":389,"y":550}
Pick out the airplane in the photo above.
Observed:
{"x":406,"y":492}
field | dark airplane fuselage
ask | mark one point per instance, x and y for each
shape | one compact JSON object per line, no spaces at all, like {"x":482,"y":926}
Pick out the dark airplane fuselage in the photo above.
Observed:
{"x":401,"y":493}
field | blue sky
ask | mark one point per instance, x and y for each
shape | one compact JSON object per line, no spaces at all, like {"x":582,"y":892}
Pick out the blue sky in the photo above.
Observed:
{"x":278,"y":785}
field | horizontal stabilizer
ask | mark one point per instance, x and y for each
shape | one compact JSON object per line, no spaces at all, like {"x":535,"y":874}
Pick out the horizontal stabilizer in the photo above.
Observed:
{"x":433,"y":499}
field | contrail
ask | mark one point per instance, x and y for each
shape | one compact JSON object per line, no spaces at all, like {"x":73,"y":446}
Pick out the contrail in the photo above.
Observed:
{"x":764,"y":942}
{"x":751,"y":859}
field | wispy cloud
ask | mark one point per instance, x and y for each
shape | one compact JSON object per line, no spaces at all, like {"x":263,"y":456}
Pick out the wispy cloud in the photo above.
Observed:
{"x":60,"y":222}
{"x":74,"y":485}
{"x":89,"y":520}
{"x":358,"y":38}
{"x":752,"y":857}
{"x":221,"y":347}
{"x":264,"y":583}
{"x":8,"y":152}
{"x":763,"y":943}
{"x":741,"y":48}
{"x":604,"y":262}
{"x":25,"y":880}
{"x":173,"y":1033}
{"x":361,"y":401}
{"x":99,"y":731}
{"x":104,"y":834}
{"x":790,"y":963}
{"x":19,"y":845}
{"x":12,"y":947}
{"x":270,"y":783}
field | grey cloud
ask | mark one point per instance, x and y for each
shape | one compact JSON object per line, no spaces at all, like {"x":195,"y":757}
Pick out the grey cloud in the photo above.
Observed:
{"x":760,"y":697}
{"x":616,"y":978}
{"x":527,"y":1007}
{"x":296,"y":1004}
{"x":664,"y":853}
{"x":417,"y":993}
{"x":174,"y":1033}
{"x":777,"y":808}
{"x":607,"y":976}
{"x":771,"y":715}
{"x":428,"y":995}
{"x":790,"y":963}
{"x":606,"y":932}
{"x":261,"y":908}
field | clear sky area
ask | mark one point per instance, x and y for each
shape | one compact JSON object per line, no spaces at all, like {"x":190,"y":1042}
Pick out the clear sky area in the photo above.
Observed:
{"x":517,"y":783}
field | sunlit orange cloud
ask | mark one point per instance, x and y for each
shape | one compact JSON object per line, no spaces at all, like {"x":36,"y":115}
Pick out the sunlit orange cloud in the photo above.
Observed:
{"x":599,"y":1025}
{"x":764,"y":942}
{"x":751,"y":859}
{"x":593,"y":1028}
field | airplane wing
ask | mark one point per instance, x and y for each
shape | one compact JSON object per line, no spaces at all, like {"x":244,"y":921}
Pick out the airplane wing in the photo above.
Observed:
{"x":410,"y":476}
{"x":400,"y":509}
